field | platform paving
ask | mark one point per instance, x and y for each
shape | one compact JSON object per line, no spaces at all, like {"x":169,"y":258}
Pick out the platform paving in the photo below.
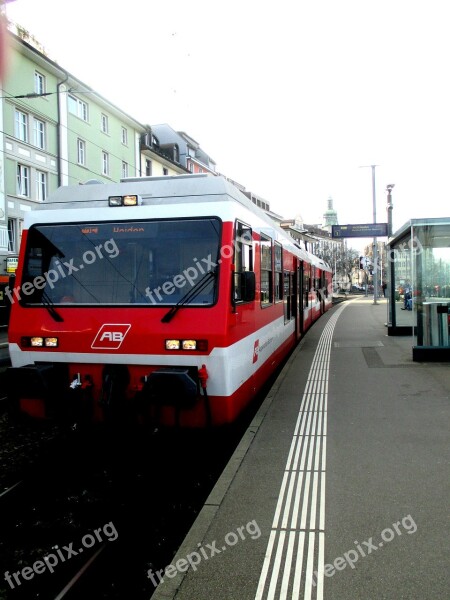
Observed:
{"x":340,"y":487}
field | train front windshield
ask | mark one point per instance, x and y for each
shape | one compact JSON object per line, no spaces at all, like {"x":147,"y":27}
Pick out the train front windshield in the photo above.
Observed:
{"x":160,"y":262}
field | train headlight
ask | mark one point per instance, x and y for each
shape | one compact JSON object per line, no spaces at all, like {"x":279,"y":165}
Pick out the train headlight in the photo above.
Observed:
{"x":128,"y":200}
{"x":39,"y":342}
{"x":173,"y":344}
{"x":189,"y":344}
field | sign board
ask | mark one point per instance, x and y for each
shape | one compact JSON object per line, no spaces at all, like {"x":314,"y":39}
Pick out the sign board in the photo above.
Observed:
{"x":360,"y":230}
{"x":11,"y":263}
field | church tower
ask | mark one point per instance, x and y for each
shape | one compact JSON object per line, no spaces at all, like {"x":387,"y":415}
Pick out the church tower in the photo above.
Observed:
{"x":330,"y":216}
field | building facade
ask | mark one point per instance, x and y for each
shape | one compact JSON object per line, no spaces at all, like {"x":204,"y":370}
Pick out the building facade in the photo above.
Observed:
{"x":55,"y":130}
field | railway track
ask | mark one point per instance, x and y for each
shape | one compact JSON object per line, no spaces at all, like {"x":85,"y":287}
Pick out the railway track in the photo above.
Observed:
{"x":147,"y":488}
{"x":144,"y":491}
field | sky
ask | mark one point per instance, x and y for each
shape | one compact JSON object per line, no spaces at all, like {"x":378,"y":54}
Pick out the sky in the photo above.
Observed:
{"x":293,"y":99}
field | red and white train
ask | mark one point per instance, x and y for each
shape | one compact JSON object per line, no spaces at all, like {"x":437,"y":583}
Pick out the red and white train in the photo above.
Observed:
{"x":168,"y":298}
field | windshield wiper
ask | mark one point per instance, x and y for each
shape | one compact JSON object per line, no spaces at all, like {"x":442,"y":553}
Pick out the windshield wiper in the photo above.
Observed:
{"x":190,"y":295}
{"x":50,"y":307}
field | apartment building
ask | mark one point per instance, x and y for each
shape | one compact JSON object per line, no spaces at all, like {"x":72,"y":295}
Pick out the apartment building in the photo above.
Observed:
{"x":56,"y":130}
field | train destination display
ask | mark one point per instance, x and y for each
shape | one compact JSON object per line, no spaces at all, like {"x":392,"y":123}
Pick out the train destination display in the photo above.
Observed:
{"x":359,"y":230}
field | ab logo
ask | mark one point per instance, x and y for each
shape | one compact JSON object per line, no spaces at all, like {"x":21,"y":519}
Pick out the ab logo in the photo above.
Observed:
{"x":110,"y":336}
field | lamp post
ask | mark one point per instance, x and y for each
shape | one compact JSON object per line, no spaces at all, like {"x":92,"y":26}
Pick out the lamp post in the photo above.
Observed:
{"x":391,"y":270}
{"x":390,"y":207}
{"x":375,"y":243}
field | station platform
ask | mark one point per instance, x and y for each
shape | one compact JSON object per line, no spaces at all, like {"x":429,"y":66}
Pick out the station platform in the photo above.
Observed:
{"x":339,"y":488}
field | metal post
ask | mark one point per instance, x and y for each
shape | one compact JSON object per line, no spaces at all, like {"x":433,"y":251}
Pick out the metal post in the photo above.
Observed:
{"x":375,"y":247}
{"x":390,"y":258}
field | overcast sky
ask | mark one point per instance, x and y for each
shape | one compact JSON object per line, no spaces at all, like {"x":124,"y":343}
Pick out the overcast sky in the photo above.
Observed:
{"x":290,"y":98}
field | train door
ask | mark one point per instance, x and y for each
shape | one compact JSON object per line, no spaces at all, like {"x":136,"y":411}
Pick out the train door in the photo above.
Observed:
{"x":295,"y":304}
{"x":324,"y":290}
{"x":300,"y":303}
{"x":307,"y":296}
{"x":290,"y":297}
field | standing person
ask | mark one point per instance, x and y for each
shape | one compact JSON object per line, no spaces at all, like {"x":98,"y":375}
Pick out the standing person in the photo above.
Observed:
{"x":384,"y":286}
{"x":407,"y":297}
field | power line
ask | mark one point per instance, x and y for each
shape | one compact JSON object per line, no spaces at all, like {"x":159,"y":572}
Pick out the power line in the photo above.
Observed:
{"x":29,"y":95}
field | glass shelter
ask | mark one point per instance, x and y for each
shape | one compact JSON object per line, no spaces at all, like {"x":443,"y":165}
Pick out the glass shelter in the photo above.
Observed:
{"x":419,"y":286}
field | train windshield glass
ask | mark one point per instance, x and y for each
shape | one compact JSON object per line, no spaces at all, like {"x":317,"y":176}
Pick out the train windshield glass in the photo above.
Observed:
{"x":150,"y":263}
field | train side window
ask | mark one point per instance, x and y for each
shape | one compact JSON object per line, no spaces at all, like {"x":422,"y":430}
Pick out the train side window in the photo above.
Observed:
{"x":266,"y":271}
{"x":323,"y":284}
{"x":243,"y":262}
{"x":287,"y":296}
{"x":316,"y":283}
{"x":306,"y":284}
{"x":278,"y":272}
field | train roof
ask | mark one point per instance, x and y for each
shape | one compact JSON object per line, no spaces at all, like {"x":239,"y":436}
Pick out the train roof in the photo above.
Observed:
{"x":160,"y":191}
{"x":176,"y":188}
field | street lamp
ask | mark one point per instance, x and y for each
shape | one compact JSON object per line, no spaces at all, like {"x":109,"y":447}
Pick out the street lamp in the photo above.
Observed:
{"x":391,"y":271}
{"x":390,"y":207}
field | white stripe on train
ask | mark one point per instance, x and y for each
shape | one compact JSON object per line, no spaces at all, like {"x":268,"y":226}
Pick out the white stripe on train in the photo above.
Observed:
{"x":228,"y":368}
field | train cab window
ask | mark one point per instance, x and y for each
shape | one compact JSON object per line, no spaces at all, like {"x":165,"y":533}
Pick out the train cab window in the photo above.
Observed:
{"x":123,"y":263}
{"x":278,"y":272}
{"x":266,"y":271}
{"x":243,"y":261}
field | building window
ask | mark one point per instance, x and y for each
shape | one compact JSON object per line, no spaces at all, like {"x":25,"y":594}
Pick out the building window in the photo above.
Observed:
{"x":39,"y":83}
{"x":124,"y":169}
{"x":81,"y":152}
{"x":266,"y":270}
{"x":12,"y":235}
{"x":124,"y":136}
{"x":105,"y":163}
{"x":78,"y":107}
{"x":39,"y":133}
{"x":23,"y":180}
{"x":148,"y":167}
{"x":21,"y":126}
{"x":41,"y":186}
{"x":165,"y":171}
{"x":105,"y":124}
